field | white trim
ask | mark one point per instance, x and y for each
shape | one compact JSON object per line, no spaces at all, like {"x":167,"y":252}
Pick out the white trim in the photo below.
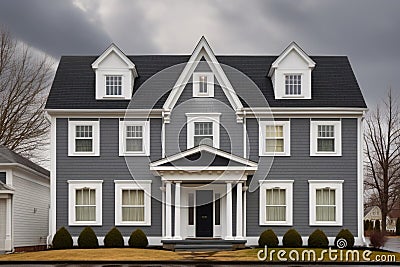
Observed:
{"x":271,"y":112}
{"x":53,"y":181}
{"x":196,"y":84}
{"x":73,"y":185}
{"x":192,"y":118}
{"x":337,"y":135}
{"x":144,"y":185}
{"x":360,"y":182}
{"x":297,"y":48}
{"x":272,"y":184}
{"x":200,"y":148}
{"x":115,"y":49}
{"x":202,"y":168}
{"x":337,"y":185}
{"x":25,"y":168}
{"x":122,"y":138}
{"x":202,"y":49}
{"x":106,"y":113}
{"x":286,"y":138}
{"x":95,"y":137}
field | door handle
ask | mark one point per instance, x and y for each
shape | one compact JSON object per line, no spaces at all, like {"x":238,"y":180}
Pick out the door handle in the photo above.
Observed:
{"x":204,"y":217}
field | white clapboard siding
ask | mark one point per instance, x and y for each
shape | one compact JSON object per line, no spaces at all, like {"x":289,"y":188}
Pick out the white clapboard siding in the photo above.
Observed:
{"x":2,"y":223}
{"x":30,"y":212}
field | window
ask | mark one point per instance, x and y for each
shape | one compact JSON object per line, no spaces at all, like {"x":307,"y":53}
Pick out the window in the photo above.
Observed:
{"x":276,"y":203}
{"x":325,"y":138}
{"x":217,"y":206}
{"x":191,"y":209}
{"x":134,"y":138}
{"x":203,"y":129}
{"x":325,"y":202}
{"x":83,"y":138}
{"x":113,"y":85}
{"x":292,"y":84}
{"x":203,"y":84}
{"x":274,"y":138}
{"x":133,"y":202}
{"x":85,"y":202}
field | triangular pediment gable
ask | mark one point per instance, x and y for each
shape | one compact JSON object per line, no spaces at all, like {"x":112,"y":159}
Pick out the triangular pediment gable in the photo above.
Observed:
{"x":114,"y":49}
{"x":203,"y":156}
{"x":201,"y":52}
{"x":293,"y":47}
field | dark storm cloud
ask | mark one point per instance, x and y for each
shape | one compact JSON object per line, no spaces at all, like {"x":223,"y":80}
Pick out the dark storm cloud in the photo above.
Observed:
{"x":55,"y":27}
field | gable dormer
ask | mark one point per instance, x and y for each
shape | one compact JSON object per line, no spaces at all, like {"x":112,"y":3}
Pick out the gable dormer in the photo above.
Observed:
{"x":115,"y":75}
{"x":291,"y":74}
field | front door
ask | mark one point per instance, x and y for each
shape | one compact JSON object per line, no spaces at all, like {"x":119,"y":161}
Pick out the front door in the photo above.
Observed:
{"x":204,"y":213}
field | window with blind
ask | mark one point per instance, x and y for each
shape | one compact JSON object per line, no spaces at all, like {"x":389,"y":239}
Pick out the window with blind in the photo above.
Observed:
{"x":326,"y":138}
{"x":134,"y":138}
{"x":274,"y":138}
{"x":203,"y":129}
{"x":276,"y":202}
{"x":203,"y":133}
{"x":326,"y":202}
{"x":132,"y":202}
{"x":85,"y":202}
{"x":83,"y":138}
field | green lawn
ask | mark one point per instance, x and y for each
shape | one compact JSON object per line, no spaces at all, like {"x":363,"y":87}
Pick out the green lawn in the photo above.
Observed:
{"x":130,"y":254}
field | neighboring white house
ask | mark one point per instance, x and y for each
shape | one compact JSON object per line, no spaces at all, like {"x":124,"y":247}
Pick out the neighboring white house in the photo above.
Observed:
{"x":24,"y":203}
{"x":374,"y":213}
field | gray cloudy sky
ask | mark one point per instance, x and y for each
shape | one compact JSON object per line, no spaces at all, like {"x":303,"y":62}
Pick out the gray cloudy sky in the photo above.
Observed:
{"x":368,"y":31}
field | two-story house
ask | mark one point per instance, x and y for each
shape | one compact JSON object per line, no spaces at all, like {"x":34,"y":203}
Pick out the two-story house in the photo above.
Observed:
{"x":206,"y":147}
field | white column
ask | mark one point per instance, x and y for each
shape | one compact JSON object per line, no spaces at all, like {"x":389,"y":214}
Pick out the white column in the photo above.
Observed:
{"x":168,"y":213}
{"x":239,"y":211}
{"x":8,"y":241}
{"x":244,"y":211}
{"x":162,"y":211}
{"x":228,"y":210}
{"x":177,"y":234}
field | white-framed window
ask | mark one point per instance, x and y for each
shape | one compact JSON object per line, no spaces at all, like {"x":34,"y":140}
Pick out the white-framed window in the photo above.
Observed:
{"x":276,"y":202}
{"x":113,"y":85}
{"x":134,"y":138}
{"x":85,"y":202}
{"x":326,"y":198}
{"x":293,"y":84}
{"x":83,"y":138}
{"x":203,"y":84}
{"x":132,"y":202}
{"x":203,"y":128}
{"x":274,"y":138}
{"x":325,"y":138}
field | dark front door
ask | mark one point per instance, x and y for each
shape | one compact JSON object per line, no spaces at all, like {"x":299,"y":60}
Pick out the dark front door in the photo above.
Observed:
{"x":204,"y":213}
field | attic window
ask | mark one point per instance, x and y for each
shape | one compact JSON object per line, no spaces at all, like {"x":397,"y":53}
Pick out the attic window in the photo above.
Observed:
{"x":293,"y":84}
{"x":113,"y":85}
{"x":203,"y":84}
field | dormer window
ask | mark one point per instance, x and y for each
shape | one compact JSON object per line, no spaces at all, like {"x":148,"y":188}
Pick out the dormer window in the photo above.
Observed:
{"x":293,"y":84}
{"x":113,"y":85}
{"x":203,"y":84}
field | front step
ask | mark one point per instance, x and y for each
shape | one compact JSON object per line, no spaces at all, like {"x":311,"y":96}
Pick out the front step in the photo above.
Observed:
{"x":203,"y":244}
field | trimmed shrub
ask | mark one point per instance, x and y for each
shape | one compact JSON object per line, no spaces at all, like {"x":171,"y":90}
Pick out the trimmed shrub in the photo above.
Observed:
{"x":398,"y":226}
{"x":268,"y":238}
{"x":114,"y":239}
{"x":138,"y":239}
{"x":318,"y":239}
{"x":88,"y":239}
{"x":292,"y":239}
{"x":62,"y":239}
{"x":347,"y":235}
{"x":377,"y":225}
{"x":378,"y":239}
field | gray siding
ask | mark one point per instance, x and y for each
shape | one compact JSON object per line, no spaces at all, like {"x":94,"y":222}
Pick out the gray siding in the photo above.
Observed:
{"x":107,"y":167}
{"x":301,"y":167}
{"x":231,"y":132}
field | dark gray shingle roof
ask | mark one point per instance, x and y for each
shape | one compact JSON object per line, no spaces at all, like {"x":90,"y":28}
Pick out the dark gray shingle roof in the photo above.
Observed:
{"x":333,"y":81}
{"x":9,"y":156}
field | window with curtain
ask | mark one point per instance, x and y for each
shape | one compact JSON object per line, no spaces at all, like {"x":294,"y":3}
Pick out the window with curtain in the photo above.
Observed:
{"x":85,"y":204}
{"x":274,"y":138}
{"x":325,"y":204}
{"x":83,"y":138}
{"x":203,"y":133}
{"x":326,"y":138}
{"x":134,"y":138}
{"x":133,"y":207}
{"x":275,"y":204}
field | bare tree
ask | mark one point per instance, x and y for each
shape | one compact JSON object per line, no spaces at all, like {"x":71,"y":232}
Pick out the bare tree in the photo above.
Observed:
{"x":382,"y":139}
{"x":24,"y":81}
